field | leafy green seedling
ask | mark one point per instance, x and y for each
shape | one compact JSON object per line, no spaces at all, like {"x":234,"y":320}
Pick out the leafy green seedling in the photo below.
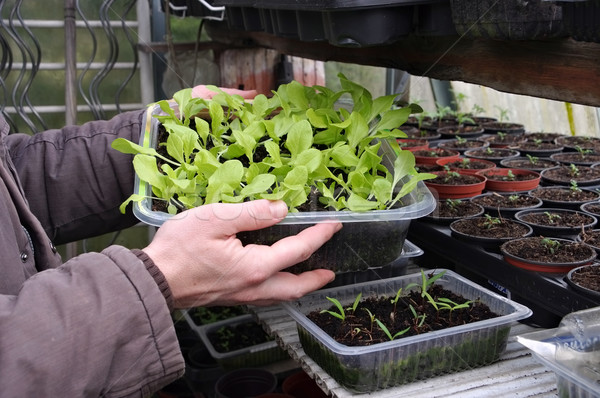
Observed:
{"x":551,"y":245}
{"x":453,"y":306}
{"x":532,"y":159}
{"x":341,"y":314}
{"x":552,"y":217}
{"x":573,"y":170}
{"x":388,"y":333}
{"x":574,"y":187}
{"x":583,"y":151}
{"x":490,"y":222}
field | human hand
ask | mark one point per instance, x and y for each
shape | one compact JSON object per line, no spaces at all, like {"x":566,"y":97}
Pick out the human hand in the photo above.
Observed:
{"x":203,"y":91}
{"x":205,"y":264}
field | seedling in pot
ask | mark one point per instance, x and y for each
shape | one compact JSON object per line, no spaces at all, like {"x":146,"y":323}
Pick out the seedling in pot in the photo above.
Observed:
{"x":552,"y":217}
{"x":510,"y":176}
{"x":573,"y":170}
{"x":551,"y":245}
{"x":583,"y":151}
{"x":450,"y":175}
{"x":341,"y":314}
{"x":574,"y":187}
{"x":465,"y":163}
{"x":513,"y":198}
{"x":490,"y":222}
{"x":387,"y":332}
{"x":503,"y":114}
{"x":532,"y":159}
{"x":447,"y":304}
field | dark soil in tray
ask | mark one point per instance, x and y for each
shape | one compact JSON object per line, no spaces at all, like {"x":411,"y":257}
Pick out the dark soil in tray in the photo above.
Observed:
{"x":516,"y":201}
{"x":234,"y":337}
{"x":453,"y":178}
{"x":467,"y":164}
{"x":455,"y":208}
{"x":564,"y":194}
{"x":505,"y":139}
{"x":587,"y":277}
{"x":434,"y":153}
{"x":558,"y":219}
{"x":359,"y":329}
{"x":584,"y":142}
{"x":565,"y":173}
{"x":592,"y":237}
{"x":593,"y":208}
{"x":490,"y":227}
{"x":492,"y":175}
{"x":577,"y":157}
{"x":532,"y":164}
{"x":542,"y":250}
{"x":462,"y":145}
{"x":427,"y":168}
{"x":532,"y":146}
{"x":542,"y":135}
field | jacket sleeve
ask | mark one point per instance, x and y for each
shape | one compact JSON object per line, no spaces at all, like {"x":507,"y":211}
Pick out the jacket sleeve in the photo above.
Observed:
{"x":74,"y":180}
{"x":97,"y":326}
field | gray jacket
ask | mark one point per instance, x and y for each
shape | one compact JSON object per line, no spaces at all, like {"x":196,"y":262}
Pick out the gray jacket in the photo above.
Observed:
{"x":98,"y":324}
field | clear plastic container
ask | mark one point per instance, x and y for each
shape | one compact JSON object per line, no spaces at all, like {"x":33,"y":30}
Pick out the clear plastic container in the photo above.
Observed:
{"x":367,"y":240}
{"x":571,"y":351}
{"x":247,"y":357}
{"x":370,"y":368}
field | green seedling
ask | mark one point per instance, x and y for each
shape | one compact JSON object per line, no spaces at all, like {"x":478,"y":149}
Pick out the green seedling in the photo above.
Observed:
{"x":552,"y":217}
{"x":490,"y":222}
{"x":532,"y":159}
{"x":489,"y":151}
{"x":341,"y":314}
{"x":501,"y":135}
{"x":451,"y":306}
{"x":551,"y":245}
{"x":308,"y":144}
{"x":510,"y":176}
{"x":453,"y":203}
{"x":461,"y":140}
{"x":450,"y":175}
{"x":465,"y":163}
{"x":477,"y":110}
{"x":503,"y":114}
{"x":574,"y":187}
{"x":426,"y":283}
{"x":573,"y":170}
{"x":583,"y":151}
{"x":513,"y":198}
{"x":418,"y":319}
{"x":387,"y":332}
{"x":371,"y":318}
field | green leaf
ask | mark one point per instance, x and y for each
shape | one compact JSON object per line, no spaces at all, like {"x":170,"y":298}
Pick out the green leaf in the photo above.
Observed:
{"x":259,"y":184}
{"x":146,"y":168}
{"x":299,"y":138}
{"x":310,"y":158}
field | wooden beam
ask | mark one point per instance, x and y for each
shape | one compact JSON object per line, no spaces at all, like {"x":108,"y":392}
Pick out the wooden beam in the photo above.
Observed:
{"x":561,"y":69}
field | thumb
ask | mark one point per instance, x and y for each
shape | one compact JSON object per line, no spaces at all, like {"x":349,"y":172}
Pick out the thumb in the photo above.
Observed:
{"x":230,"y":219}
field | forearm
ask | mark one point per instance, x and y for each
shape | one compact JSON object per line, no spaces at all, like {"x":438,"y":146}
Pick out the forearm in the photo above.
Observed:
{"x":73,"y":180}
{"x":102,"y":325}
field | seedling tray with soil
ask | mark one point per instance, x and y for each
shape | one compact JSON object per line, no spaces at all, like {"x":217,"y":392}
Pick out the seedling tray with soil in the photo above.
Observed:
{"x":506,"y":204}
{"x":475,"y":342}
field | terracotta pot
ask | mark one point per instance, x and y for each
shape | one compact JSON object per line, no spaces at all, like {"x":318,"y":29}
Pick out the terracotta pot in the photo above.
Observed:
{"x":548,"y":267}
{"x":464,"y":169}
{"x":301,"y":385}
{"x":439,"y":154}
{"x":516,"y":185}
{"x":447,"y":191}
{"x":413,"y":144}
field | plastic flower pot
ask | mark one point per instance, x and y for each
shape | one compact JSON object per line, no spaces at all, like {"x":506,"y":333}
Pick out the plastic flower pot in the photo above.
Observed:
{"x":413,"y":144}
{"x":242,"y":383}
{"x":511,"y":180}
{"x":556,"y":222}
{"x":301,"y":385}
{"x":545,"y":266}
{"x":403,"y":360}
{"x":430,"y":156}
{"x":506,"y":204}
{"x":458,"y":191}
{"x":467,"y":166}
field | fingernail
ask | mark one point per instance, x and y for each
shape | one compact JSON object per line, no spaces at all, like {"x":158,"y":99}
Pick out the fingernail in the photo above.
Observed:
{"x":278,"y":209}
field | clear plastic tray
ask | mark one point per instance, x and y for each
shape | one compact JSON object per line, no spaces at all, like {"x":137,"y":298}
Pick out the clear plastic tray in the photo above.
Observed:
{"x":367,"y":240}
{"x":252,"y":356}
{"x":370,"y":368}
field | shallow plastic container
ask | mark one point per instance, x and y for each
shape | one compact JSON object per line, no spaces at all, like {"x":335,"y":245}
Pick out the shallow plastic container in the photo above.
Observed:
{"x":367,"y":239}
{"x":247,"y":357}
{"x":571,"y":351}
{"x":371,"y":368}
